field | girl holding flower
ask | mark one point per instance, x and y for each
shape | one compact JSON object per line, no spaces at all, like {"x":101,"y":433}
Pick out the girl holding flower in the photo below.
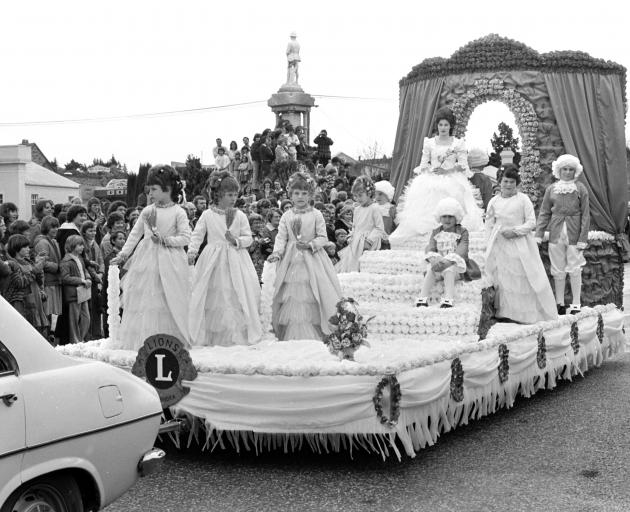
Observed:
{"x":226,"y":294}
{"x":156,"y":286}
{"x":306,"y":286}
{"x":443,"y":172}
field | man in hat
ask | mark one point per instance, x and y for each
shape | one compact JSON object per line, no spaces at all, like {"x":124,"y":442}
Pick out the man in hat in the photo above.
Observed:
{"x":482,"y":184}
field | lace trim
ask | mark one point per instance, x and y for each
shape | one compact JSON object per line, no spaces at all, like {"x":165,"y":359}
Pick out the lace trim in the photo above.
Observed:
{"x":165,"y":205}
{"x":565,"y":187}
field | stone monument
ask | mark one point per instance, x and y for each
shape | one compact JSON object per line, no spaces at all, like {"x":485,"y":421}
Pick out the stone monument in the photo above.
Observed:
{"x":291,"y":103}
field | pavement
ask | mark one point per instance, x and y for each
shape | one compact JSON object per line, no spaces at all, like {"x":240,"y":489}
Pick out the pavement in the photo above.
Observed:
{"x":561,"y":450}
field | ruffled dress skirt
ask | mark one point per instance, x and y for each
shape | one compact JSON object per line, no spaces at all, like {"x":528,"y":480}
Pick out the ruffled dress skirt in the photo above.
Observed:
{"x":224,"y":323}
{"x":523,"y":292}
{"x":146,"y":308}
{"x":420,"y":200}
{"x":298,"y":315}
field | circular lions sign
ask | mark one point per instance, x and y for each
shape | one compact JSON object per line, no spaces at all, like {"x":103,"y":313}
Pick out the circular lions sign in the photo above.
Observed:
{"x":164,"y":362}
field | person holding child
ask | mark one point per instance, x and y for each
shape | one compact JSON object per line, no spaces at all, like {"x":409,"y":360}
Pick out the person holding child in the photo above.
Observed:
{"x":77,"y":288}
{"x":513,"y":264}
{"x":224,"y":307}
{"x":156,"y":287}
{"x":447,"y":253}
{"x":367,"y":226}
{"x":565,"y":213}
{"x":384,"y":196}
{"x":306,"y":287}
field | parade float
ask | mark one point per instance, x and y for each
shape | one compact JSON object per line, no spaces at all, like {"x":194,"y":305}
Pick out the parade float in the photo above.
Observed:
{"x":392,"y":378}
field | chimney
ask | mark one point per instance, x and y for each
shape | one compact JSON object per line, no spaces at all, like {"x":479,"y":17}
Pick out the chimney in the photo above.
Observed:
{"x":24,"y":142}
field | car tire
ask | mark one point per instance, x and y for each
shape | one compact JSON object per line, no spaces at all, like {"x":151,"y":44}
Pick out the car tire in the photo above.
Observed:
{"x":54,"y":493}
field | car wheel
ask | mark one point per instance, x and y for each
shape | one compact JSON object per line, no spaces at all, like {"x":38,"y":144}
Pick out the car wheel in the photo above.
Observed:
{"x":52,"y":493}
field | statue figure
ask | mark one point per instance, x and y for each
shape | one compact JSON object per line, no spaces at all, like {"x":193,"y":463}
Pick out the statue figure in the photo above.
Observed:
{"x":293,"y":59}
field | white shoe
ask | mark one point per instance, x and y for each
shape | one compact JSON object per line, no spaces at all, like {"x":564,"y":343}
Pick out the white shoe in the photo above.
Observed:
{"x":421,"y":302}
{"x":574,"y":309}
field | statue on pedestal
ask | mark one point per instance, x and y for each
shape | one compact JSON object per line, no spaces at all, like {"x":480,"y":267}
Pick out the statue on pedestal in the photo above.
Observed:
{"x":293,"y":59}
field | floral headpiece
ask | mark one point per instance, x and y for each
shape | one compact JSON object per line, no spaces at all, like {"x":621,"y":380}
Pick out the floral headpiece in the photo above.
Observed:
{"x":364,"y":183}
{"x":301,"y":177}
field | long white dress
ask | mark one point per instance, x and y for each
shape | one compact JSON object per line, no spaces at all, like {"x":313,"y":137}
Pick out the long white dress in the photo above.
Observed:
{"x":367,"y":224}
{"x":513,"y":265}
{"x":427,"y":189}
{"x":224,"y":307}
{"x":156,"y":287}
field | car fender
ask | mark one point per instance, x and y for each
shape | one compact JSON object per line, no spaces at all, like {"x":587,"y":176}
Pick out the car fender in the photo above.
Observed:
{"x":66,"y":464}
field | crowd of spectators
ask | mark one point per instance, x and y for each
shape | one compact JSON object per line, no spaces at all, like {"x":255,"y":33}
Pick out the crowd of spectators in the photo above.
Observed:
{"x":54,"y":261}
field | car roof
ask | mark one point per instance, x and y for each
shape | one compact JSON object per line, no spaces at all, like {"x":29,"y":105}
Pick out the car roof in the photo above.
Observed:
{"x":32,"y":352}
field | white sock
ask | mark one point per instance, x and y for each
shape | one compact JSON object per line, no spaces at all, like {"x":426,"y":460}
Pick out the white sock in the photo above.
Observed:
{"x":576,"y":288}
{"x":560,"y":283}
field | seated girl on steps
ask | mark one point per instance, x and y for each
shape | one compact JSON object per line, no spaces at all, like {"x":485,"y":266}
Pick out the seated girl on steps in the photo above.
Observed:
{"x":447,"y":253}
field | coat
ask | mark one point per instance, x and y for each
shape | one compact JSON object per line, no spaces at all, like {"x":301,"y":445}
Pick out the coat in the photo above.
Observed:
{"x":572,"y":208}
{"x":71,"y":277}
{"x":44,"y":245}
{"x":472,"y":269}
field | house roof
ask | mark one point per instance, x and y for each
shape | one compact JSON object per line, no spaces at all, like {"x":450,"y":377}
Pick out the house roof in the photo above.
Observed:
{"x":35,"y":174}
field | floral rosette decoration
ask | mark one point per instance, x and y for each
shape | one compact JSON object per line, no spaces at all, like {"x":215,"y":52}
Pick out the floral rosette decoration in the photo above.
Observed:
{"x":600,"y":328}
{"x":349,"y":330}
{"x":575,"y":338}
{"x":541,"y":353}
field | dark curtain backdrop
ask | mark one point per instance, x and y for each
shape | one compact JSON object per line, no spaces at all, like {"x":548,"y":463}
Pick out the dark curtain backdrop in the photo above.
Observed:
{"x":590,"y":115}
{"x":418,"y":104}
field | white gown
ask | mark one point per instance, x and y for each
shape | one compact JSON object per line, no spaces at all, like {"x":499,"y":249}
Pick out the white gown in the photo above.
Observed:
{"x":424,"y":192}
{"x":513,"y":265}
{"x":156,"y":287}
{"x":224,"y":308}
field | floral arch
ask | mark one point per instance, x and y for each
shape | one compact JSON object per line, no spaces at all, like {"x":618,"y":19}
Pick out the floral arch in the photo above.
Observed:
{"x":563,"y":102}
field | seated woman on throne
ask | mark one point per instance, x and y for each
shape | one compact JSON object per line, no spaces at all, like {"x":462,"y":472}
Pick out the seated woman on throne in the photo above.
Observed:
{"x":443,"y":172}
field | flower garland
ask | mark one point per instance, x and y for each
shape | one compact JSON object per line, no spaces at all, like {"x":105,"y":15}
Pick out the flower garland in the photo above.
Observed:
{"x":541,"y":355}
{"x":457,"y":380}
{"x":496,"y":53}
{"x":113,"y":301}
{"x":526,"y":119}
{"x":504,"y":365}
{"x":394,"y":399}
{"x":600,"y":328}
{"x":575,"y":338}
{"x":350,"y":330}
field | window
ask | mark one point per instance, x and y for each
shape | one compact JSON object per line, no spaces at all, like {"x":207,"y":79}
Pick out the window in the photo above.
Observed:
{"x":8,"y":364}
{"x":34,"y":199}
{"x":1,"y":199}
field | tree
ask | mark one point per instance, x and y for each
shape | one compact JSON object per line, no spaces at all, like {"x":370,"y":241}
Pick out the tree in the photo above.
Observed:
{"x":504,"y":139}
{"x":98,"y":161}
{"x":195,"y":177}
{"x":53,"y":164}
{"x":73,"y":165}
{"x":373,"y":151}
{"x":112,"y":162}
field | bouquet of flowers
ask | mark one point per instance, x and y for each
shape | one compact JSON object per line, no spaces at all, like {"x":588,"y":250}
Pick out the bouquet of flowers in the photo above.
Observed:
{"x":350,"y":330}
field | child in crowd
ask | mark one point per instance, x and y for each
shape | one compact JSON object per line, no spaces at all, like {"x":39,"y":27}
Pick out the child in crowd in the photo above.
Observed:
{"x":156,"y":287}
{"x":565,"y":213}
{"x":447,"y":253}
{"x":258,"y":242}
{"x":384,"y":194}
{"x":306,"y":287}
{"x":367,"y":226}
{"x":226,"y":292}
{"x":341,"y":239}
{"x":77,"y":289}
{"x":481,"y":184}
{"x":95,"y":265}
{"x":115,"y":222}
{"x":47,"y":246}
{"x":24,"y":289}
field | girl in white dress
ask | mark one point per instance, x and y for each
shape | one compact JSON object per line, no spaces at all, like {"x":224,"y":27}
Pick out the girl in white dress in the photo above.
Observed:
{"x":513,"y":262}
{"x":367,"y":226}
{"x":224,"y":308}
{"x":156,"y":289}
{"x":306,"y":287}
{"x":443,"y":172}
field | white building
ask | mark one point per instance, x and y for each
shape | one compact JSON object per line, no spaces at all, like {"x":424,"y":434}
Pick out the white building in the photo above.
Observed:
{"x":24,"y":182}
{"x":95,"y":169}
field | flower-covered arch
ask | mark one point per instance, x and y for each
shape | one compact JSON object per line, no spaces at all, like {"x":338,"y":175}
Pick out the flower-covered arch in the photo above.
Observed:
{"x":564,"y":102}
{"x":526,"y":121}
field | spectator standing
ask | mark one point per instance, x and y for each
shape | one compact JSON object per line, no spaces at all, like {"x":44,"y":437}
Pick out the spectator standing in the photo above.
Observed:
{"x":115,"y":222}
{"x":232,"y":152}
{"x":323,"y":147}
{"x":47,"y":247}
{"x":255,"y":250}
{"x":215,"y":150}
{"x":292,"y":142}
{"x":255,"y":158}
{"x":43,"y":208}
{"x":5,"y":270}
{"x":222,"y":161}
{"x":75,"y":218}
{"x":9,"y":212}
{"x":266,"y":158}
{"x":25,"y":287}
{"x":95,"y":266}
{"x":77,"y":289}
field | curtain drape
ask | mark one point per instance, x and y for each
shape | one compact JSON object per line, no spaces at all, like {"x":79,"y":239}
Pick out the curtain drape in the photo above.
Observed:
{"x":590,"y":114}
{"x":418,"y":103}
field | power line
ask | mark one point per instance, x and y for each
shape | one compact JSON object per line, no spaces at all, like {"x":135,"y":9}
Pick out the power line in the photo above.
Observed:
{"x":172,"y":112}
{"x":131,"y":116}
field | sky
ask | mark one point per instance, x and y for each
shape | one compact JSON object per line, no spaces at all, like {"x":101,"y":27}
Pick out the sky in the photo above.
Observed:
{"x":69,"y":60}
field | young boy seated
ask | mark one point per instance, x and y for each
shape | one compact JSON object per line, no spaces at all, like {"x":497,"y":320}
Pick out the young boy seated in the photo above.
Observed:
{"x":447,"y":253}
